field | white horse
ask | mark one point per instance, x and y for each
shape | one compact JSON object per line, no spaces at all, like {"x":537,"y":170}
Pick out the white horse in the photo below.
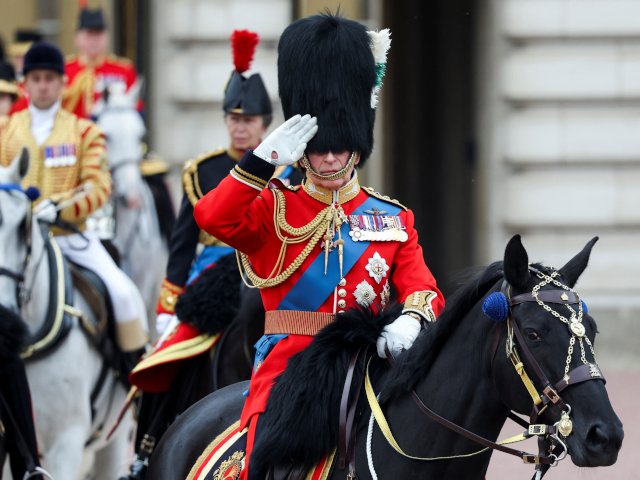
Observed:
{"x":62,"y":380}
{"x":137,"y":237}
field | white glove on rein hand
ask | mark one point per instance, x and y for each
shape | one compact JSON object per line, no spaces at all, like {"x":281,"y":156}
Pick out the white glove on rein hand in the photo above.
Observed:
{"x":47,"y":211}
{"x":162,"y":322}
{"x":398,"y":335}
{"x":288,"y":142}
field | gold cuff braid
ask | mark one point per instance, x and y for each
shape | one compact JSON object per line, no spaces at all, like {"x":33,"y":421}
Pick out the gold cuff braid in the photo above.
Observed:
{"x":169,"y":295}
{"x":420,"y":303}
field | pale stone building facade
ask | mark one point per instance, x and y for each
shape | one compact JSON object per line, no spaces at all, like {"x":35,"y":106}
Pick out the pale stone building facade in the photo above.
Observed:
{"x":559,"y":133}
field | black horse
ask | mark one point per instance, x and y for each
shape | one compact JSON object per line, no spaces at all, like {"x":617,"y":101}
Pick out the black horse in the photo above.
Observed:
{"x":453,"y":370}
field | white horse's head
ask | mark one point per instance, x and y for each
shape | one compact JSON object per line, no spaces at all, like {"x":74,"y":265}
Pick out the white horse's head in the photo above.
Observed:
{"x":14,"y":206}
{"x":124,"y":129}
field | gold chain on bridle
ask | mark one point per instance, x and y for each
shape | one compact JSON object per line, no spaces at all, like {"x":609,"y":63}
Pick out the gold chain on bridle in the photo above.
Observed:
{"x":326,"y":222}
{"x":574,"y":322}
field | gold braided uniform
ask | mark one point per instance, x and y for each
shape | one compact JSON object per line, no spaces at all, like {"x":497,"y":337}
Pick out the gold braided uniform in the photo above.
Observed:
{"x":75,"y":137}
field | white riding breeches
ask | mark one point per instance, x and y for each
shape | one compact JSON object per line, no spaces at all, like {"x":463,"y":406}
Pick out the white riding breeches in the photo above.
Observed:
{"x":87,"y":251}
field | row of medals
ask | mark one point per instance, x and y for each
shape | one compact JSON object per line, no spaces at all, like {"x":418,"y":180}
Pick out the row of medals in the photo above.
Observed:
{"x":388,"y":234}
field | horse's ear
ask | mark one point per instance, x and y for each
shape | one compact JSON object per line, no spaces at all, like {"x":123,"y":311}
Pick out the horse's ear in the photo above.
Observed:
{"x":20,"y":165}
{"x":574,"y":267}
{"x":516,"y":263}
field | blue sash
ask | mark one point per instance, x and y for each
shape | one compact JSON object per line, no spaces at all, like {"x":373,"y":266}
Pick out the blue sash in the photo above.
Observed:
{"x":314,"y":287}
{"x":207,"y":257}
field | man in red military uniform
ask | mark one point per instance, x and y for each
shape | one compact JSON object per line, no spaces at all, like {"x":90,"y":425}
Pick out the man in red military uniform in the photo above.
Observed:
{"x":92,"y":70}
{"x":328,"y":245}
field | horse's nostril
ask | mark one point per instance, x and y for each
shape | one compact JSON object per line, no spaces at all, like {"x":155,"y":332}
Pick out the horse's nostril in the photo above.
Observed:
{"x":597,"y":436}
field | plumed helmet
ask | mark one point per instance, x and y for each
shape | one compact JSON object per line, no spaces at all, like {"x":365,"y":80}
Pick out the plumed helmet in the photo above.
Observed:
{"x":247,"y":96}
{"x":43,"y":56}
{"x":326,"y":68}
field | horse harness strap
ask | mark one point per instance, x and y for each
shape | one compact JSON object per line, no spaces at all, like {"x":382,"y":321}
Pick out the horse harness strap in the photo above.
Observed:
{"x":384,"y":427}
{"x":551,"y":392}
{"x":346,"y":431}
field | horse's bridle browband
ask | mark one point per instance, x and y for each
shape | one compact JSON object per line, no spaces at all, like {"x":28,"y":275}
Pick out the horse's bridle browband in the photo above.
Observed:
{"x":547,"y":434}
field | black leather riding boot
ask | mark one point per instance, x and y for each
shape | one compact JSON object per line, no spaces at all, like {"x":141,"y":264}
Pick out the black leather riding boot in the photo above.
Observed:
{"x":138,"y":470}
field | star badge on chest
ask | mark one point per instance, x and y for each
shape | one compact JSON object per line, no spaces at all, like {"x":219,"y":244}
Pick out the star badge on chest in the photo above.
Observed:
{"x":377,"y":267}
{"x":364,"y":294}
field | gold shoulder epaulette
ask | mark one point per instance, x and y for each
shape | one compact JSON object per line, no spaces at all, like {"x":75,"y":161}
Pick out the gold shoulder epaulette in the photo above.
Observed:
{"x":190,"y":182}
{"x":384,"y":198}
{"x":70,"y":58}
{"x":116,"y":58}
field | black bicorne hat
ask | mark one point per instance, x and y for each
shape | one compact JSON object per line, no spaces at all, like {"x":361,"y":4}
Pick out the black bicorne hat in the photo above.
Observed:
{"x":91,"y":19}
{"x":23,"y":39}
{"x":326,"y":69}
{"x":43,"y":56}
{"x":247,"y":96}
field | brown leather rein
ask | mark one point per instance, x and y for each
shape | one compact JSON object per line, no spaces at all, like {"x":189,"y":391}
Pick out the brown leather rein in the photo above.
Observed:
{"x":547,"y":434}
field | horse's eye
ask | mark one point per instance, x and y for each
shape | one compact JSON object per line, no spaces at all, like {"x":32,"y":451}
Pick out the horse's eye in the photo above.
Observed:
{"x":533,"y":336}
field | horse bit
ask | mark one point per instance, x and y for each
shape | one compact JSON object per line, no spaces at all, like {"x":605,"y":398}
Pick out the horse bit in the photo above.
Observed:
{"x":497,"y":306}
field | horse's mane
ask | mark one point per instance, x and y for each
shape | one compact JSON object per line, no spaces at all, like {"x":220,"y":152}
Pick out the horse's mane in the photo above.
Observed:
{"x":413,"y":365}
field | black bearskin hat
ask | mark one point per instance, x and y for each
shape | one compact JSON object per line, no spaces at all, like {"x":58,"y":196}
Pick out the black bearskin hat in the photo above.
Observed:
{"x":247,"y":96}
{"x":326,"y":69}
{"x":43,"y":56}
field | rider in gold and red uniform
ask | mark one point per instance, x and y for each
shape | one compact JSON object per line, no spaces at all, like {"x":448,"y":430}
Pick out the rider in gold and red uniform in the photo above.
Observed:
{"x":92,"y":70}
{"x":347,"y":245}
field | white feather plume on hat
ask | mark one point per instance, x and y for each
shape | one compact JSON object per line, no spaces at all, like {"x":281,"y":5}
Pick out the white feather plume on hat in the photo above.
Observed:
{"x":380,"y":44}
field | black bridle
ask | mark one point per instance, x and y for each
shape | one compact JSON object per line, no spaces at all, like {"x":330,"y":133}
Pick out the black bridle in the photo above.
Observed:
{"x":548,"y":440}
{"x":22,"y":295}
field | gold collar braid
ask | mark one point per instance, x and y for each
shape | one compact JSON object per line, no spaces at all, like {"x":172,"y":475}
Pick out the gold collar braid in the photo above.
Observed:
{"x":328,"y":197}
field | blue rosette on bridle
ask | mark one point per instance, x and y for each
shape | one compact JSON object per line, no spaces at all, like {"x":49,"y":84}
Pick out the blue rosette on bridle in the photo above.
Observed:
{"x":496,"y":307}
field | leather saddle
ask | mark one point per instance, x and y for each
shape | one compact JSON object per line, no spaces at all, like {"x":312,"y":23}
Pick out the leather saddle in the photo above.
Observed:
{"x":101,"y":330}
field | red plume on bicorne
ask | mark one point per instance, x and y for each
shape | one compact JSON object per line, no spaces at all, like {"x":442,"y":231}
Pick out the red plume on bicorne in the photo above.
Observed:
{"x":243,"y":43}
{"x":82,"y":4}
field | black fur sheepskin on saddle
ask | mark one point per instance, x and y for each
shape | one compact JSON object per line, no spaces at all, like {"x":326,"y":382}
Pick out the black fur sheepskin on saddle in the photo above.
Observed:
{"x":211,"y":302}
{"x":13,"y":334}
{"x":301,"y":418}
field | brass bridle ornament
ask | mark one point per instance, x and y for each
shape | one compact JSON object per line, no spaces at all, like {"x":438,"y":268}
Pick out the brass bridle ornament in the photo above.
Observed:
{"x":549,"y":436}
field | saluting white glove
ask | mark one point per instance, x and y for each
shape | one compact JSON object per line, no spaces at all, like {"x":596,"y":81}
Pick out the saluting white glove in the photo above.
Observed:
{"x":288,"y":142}
{"x":46,"y":211}
{"x":398,"y":335}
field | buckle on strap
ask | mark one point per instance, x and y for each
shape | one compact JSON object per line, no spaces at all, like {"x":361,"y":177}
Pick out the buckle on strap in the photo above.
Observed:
{"x":551,"y":394}
{"x":537,"y":429}
{"x":531,"y":459}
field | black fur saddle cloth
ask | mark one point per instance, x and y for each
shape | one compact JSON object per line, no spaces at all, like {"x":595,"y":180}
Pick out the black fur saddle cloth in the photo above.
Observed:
{"x":301,"y":419}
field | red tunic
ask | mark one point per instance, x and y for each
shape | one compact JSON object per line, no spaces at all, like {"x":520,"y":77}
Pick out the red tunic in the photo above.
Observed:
{"x":241,"y":213}
{"x":85,"y":84}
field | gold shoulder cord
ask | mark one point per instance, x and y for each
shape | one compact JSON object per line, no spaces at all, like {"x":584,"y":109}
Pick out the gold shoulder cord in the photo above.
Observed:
{"x":313,"y":231}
